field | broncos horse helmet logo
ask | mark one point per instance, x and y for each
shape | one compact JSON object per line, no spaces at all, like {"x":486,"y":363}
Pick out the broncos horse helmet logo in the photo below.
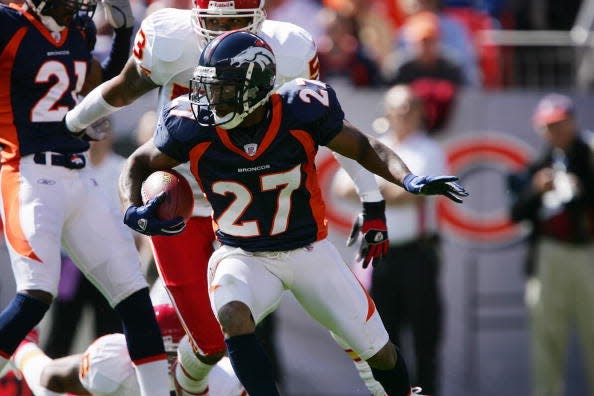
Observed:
{"x":260,"y":55}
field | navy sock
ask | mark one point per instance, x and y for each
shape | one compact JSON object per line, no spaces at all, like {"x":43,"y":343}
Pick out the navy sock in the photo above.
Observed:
{"x":394,"y":381}
{"x":140,"y":326}
{"x":251,"y":365}
{"x":19,"y":318}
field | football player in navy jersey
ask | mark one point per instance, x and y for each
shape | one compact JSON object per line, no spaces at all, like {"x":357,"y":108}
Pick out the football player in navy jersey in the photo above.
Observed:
{"x":49,"y":198}
{"x":252,"y":152}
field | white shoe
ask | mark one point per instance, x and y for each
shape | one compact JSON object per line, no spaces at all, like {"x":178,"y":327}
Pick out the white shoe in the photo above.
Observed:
{"x":416,"y":391}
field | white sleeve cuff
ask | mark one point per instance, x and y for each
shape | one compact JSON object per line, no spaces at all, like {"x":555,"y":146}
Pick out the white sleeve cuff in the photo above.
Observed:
{"x":364,"y":181}
{"x":92,"y":108}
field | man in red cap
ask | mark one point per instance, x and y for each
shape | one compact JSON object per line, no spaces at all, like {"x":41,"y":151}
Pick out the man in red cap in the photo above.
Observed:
{"x":556,"y":194}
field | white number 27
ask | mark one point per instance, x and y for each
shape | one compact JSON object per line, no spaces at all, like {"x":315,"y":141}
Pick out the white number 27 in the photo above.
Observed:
{"x":285,"y":183}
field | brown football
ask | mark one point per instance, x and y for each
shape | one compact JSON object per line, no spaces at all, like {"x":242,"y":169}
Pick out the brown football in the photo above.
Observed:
{"x":179,"y":200}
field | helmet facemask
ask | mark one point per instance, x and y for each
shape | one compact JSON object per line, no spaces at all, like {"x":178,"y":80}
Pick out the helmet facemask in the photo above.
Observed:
{"x":46,"y":9}
{"x":202,"y":13}
{"x":234,"y":96}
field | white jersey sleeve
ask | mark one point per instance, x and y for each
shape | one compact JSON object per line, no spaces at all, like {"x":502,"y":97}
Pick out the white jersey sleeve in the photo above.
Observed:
{"x":294,"y":49}
{"x":106,"y":368}
{"x":166,"y":45}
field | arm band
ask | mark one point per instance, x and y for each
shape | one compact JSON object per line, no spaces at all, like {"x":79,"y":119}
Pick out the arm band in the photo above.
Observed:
{"x":364,"y":180}
{"x":92,"y":108}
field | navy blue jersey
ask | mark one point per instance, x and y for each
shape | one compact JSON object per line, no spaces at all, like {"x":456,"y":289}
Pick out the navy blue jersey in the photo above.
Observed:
{"x":265,"y":195}
{"x":39,"y":77}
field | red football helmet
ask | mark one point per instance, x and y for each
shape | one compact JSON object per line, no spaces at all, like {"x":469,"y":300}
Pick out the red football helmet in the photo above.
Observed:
{"x":204,"y":9}
{"x":171,"y":328}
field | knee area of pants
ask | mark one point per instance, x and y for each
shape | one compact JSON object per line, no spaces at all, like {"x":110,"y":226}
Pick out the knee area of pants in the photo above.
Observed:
{"x":210,"y":359}
{"x":40,"y":295}
{"x":385,"y":359}
{"x":235,"y":317}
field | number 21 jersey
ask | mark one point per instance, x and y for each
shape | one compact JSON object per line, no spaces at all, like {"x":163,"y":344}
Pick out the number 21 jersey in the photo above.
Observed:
{"x":39,"y":74}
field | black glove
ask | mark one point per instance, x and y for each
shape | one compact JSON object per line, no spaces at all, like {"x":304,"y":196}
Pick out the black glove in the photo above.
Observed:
{"x":371,"y":223}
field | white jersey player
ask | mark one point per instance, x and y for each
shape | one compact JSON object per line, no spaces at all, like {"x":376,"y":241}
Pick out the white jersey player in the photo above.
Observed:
{"x":105,"y":368}
{"x":166,"y":51}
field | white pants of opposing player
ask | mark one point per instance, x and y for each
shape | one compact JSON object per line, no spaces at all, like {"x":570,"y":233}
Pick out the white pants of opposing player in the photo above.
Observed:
{"x":46,"y":207}
{"x":318,"y":278}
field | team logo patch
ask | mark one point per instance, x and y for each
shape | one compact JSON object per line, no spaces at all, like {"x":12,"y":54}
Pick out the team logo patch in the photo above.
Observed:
{"x":142,"y":223}
{"x":250,"y":149}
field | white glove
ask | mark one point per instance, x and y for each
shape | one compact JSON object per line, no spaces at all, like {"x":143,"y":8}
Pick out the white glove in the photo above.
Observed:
{"x":118,"y":13}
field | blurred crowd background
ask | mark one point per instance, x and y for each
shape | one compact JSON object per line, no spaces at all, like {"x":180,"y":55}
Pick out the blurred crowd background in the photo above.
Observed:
{"x":476,"y":71}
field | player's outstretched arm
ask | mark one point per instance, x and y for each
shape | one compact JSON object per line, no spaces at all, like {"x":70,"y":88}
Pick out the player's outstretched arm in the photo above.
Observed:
{"x":61,"y":375}
{"x":379,"y":159}
{"x":110,"y":96}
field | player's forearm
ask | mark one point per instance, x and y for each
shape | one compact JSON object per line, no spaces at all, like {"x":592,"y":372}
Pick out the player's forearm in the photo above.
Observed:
{"x":118,"y":55}
{"x":92,"y":108}
{"x":109,"y":97}
{"x":135,"y":170}
{"x":364,"y":181}
{"x":380,"y":160}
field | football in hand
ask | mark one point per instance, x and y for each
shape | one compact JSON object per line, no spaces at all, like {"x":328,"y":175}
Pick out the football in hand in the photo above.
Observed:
{"x":179,"y":200}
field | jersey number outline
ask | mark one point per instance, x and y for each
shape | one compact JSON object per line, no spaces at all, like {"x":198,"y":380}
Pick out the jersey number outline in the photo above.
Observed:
{"x":45,"y":110}
{"x":285,"y":182}
{"x":307,"y":93}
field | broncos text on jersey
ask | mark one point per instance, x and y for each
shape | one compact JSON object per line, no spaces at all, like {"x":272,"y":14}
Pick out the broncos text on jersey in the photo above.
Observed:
{"x":264,"y":194}
{"x":39,"y":72}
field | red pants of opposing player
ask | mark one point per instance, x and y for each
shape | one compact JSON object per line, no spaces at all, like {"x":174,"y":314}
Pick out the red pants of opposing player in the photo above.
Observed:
{"x":182,"y":261}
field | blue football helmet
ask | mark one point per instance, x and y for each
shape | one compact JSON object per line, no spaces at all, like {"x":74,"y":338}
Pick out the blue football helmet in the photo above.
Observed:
{"x":235,"y":76}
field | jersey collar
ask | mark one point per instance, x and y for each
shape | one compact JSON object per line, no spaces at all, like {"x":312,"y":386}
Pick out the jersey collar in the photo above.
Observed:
{"x":271,"y":132}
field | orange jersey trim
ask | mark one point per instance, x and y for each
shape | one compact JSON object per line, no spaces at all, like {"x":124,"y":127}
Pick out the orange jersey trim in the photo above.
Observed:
{"x":271,"y":132}
{"x":12,"y":214}
{"x":314,"y":68}
{"x":9,"y":137}
{"x":195,"y":154}
{"x":41,"y":27}
{"x":316,"y":201}
{"x":150,"y":359}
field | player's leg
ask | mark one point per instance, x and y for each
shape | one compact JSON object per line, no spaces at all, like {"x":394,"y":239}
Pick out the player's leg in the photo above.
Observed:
{"x":99,"y":243}
{"x":242,"y":292}
{"x":584,"y":280}
{"x":327,"y":289}
{"x":33,"y":215}
{"x":363,"y":368}
{"x":183,"y":270}
{"x":550,"y":321}
{"x":424,"y":310}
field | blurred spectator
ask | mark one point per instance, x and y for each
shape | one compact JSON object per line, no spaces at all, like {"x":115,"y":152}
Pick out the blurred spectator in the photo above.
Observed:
{"x":341,"y":53}
{"x":405,"y":283}
{"x":374,"y":26}
{"x":495,"y":8}
{"x":432,"y":76}
{"x":556,"y":195}
{"x":545,"y":14}
{"x":299,"y":12}
{"x":455,"y":38}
